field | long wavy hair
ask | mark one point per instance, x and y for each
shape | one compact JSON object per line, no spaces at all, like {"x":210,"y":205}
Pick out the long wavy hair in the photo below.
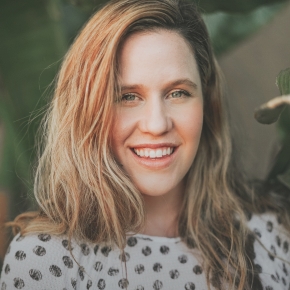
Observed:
{"x":80,"y":189}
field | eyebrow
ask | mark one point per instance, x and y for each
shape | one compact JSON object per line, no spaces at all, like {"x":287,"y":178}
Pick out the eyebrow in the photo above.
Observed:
{"x":185,"y":81}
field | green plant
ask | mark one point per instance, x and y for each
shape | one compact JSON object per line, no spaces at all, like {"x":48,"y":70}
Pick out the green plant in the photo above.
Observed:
{"x":278,"y":110}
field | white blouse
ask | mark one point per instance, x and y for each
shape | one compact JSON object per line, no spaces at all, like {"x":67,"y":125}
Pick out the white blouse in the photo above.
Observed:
{"x":38,"y":262}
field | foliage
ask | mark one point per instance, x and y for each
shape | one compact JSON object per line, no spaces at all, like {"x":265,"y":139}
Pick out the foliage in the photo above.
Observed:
{"x":278,"y":109}
{"x":207,"y":6}
{"x":32,"y":41}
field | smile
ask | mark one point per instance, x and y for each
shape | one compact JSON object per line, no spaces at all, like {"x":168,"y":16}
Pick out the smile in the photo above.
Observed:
{"x":153,"y":153}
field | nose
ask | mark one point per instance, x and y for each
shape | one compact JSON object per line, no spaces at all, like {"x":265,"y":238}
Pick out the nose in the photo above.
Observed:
{"x":156,"y":119}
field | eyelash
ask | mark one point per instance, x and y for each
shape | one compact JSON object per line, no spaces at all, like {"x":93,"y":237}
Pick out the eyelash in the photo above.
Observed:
{"x":182,"y":92}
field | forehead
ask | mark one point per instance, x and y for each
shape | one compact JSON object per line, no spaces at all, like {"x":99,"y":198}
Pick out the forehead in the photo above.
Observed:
{"x":156,"y":55}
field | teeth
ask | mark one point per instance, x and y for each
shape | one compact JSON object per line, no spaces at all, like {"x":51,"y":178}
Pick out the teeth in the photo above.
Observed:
{"x":154,"y":153}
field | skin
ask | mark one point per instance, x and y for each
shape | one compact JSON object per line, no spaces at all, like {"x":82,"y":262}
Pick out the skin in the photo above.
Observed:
{"x":161,"y":106}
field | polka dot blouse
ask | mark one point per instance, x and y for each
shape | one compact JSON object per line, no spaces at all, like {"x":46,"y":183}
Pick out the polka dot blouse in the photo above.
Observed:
{"x":44,"y":262}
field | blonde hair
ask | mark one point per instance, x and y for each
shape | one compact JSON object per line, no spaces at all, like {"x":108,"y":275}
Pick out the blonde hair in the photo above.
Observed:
{"x":80,"y":189}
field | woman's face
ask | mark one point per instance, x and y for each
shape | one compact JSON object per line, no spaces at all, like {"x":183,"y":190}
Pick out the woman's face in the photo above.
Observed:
{"x":158,"y":121}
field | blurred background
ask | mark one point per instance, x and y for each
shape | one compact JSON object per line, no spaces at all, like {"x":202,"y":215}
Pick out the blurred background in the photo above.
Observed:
{"x":251,"y":39}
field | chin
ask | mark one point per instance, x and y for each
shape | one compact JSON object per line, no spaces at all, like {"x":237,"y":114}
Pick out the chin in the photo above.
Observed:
{"x":159,"y":188}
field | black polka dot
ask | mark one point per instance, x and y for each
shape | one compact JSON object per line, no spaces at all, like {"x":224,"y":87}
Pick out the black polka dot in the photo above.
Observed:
{"x":123,"y":283}
{"x":68,"y":262}
{"x":139,"y":287}
{"x":8,"y":250}
{"x":98,"y":266}
{"x":274,"y":278}
{"x":74,"y":283}
{"x":157,"y":285}
{"x":197,"y":270}
{"x":7,"y":269}
{"x":44,"y":237}
{"x":3,"y":286}
{"x":146,"y":251}
{"x":85,"y":249}
{"x":105,"y":251}
{"x":285,"y":269}
{"x":278,"y":241}
{"x":284,"y":281}
{"x":285,"y":247}
{"x":96,"y":248}
{"x":182,"y":259}
{"x":55,"y":270}
{"x":157,"y":267}
{"x":174,"y":274}
{"x":189,"y":286}
{"x":279,"y":220}
{"x":19,"y":239}
{"x":18,"y":283}
{"x":113,"y":271}
{"x":269,"y":288}
{"x":35,"y":274}
{"x":269,"y":226}
{"x":258,"y":268}
{"x":132,"y":241}
{"x":277,"y":276}
{"x":81,"y":273}
{"x":39,"y":251}
{"x":164,"y":250}
{"x":124,"y":257}
{"x":20,"y":255}
{"x":272,"y":254}
{"x":65,"y":244}
{"x":101,"y":284}
{"x":257,"y":233}
{"x":146,"y":239}
{"x":139,"y":269}
{"x":89,"y":284}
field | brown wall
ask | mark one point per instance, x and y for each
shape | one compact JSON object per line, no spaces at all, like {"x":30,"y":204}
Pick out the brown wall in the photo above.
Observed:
{"x":250,"y":70}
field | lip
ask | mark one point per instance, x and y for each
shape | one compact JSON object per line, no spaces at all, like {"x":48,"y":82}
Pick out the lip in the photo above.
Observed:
{"x":155,"y":163}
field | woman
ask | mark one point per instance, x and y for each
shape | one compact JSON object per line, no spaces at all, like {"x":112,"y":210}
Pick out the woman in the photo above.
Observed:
{"x":136,"y":184}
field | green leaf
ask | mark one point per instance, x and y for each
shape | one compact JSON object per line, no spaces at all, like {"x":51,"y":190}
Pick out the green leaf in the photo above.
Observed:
{"x":283,"y":81}
{"x":234,"y":6}
{"x":285,"y":178}
{"x":270,"y":112}
{"x":282,"y":161}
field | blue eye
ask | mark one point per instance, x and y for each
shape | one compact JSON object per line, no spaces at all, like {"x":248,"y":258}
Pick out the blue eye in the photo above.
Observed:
{"x":179,"y":94}
{"x":129,"y":97}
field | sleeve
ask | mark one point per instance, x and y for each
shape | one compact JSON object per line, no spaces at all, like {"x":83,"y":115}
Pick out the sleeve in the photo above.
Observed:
{"x":272,"y":252}
{"x":35,"y":262}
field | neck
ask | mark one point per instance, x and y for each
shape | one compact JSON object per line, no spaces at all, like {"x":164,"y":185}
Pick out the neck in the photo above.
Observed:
{"x":162,"y":213}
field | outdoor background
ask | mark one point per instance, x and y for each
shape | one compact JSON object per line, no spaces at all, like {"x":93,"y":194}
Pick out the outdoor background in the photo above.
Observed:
{"x":251,"y":39}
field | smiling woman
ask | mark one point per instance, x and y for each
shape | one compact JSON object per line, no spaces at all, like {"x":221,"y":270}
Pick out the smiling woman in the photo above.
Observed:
{"x":136,"y":184}
{"x":158,"y":120}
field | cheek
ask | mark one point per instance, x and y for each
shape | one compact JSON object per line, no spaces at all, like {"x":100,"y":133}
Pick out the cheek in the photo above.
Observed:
{"x":191,"y":123}
{"x":122,"y":128}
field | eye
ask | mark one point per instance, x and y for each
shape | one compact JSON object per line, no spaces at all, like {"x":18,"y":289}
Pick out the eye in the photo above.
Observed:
{"x":129,"y":97}
{"x":179,"y":94}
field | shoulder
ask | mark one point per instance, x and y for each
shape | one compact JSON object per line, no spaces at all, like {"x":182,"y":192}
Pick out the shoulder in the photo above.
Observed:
{"x":271,"y":246}
{"x":38,"y":260}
